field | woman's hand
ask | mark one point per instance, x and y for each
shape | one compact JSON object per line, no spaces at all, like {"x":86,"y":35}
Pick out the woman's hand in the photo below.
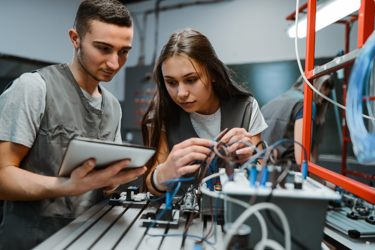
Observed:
{"x":242,"y":151}
{"x":177,"y":163}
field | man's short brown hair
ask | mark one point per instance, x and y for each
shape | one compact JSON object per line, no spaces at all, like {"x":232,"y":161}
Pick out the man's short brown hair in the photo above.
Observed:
{"x":108,"y":11}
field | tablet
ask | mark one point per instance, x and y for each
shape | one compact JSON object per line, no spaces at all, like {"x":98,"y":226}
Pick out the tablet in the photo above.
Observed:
{"x":105,"y":153}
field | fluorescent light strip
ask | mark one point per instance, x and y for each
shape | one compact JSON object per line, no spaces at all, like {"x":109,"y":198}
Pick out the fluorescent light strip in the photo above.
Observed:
{"x":327,"y":13}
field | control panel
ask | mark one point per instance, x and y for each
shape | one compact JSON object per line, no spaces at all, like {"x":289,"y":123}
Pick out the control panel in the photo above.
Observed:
{"x":139,"y":90}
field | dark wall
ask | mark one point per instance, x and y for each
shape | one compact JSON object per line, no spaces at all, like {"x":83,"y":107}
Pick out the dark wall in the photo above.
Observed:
{"x":269,"y":80}
{"x":12,"y":67}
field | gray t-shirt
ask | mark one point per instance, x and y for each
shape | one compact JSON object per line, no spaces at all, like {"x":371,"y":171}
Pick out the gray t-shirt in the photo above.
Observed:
{"x":22,"y":108}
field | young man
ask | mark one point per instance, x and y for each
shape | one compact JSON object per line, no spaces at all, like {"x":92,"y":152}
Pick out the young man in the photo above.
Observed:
{"x":40,"y":111}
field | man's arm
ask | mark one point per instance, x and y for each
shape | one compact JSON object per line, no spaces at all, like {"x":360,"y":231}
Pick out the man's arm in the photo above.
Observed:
{"x":19,"y":184}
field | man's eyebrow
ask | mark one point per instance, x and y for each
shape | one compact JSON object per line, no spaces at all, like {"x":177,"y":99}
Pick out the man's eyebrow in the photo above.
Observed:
{"x":110,"y":45}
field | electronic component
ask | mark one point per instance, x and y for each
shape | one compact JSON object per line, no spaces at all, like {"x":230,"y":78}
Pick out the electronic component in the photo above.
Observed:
{"x":352,"y":216}
{"x":131,"y":196}
{"x":169,"y":217}
{"x":304,"y":207}
{"x":190,"y":202}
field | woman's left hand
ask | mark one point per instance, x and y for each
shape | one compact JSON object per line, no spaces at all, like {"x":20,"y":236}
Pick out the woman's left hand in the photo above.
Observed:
{"x":239,"y":135}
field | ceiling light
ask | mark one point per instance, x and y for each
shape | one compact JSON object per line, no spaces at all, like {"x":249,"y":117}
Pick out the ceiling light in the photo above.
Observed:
{"x":327,"y":12}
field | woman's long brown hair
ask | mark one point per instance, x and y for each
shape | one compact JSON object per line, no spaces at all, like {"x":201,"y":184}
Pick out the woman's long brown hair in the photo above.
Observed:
{"x":195,"y":46}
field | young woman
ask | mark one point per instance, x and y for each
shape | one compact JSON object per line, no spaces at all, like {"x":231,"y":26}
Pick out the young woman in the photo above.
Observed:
{"x":195,"y":99}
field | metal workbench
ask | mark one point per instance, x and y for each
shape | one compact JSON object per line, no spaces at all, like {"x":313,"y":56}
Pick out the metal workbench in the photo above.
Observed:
{"x":119,"y":227}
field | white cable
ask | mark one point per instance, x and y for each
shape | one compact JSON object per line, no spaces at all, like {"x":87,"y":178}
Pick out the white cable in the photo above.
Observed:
{"x":268,"y":243}
{"x":260,"y":218}
{"x":303,"y":74}
{"x":250,"y":211}
{"x":324,"y":246}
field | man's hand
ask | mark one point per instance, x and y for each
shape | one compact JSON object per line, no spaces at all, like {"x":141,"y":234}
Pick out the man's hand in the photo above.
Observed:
{"x":86,"y":178}
{"x":19,"y":184}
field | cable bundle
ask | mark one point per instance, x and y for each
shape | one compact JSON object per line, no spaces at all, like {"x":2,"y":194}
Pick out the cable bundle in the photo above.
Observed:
{"x":363,"y":141}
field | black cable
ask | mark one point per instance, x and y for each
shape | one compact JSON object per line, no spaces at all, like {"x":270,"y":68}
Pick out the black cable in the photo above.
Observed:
{"x":263,"y":143}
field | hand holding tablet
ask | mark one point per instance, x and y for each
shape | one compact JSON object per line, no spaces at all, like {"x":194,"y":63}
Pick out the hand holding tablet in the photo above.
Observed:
{"x":105,"y":153}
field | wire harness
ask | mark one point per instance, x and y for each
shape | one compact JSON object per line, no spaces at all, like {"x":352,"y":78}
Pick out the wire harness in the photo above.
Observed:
{"x":363,"y":141}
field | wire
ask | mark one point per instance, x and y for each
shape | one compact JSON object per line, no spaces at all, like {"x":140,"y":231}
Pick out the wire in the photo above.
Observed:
{"x":248,"y":164}
{"x":268,"y":199}
{"x":363,"y":145}
{"x":178,"y":179}
{"x":303,"y":74}
{"x":250,"y":211}
{"x":156,"y":199}
{"x":270,"y":243}
{"x":220,"y":195}
{"x":368,"y":75}
{"x":162,"y":212}
{"x":169,"y":200}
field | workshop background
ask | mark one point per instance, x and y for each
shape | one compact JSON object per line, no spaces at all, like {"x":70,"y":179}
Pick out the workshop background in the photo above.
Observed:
{"x":248,"y":35}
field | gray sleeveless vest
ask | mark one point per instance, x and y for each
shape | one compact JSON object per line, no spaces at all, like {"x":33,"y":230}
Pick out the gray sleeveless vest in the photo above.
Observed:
{"x":280,"y":115}
{"x":68,"y":113}
{"x":234,"y":113}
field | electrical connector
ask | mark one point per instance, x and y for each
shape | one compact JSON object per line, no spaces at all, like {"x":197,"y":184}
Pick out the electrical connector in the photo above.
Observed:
{"x":264,"y":177}
{"x":304,"y":169}
{"x":253,"y":176}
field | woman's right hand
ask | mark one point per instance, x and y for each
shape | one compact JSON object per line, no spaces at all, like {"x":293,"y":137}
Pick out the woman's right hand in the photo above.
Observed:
{"x":181,"y":155}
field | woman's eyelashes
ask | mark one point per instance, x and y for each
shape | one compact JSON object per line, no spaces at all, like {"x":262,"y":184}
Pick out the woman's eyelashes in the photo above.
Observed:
{"x":170,"y":82}
{"x":191,"y":80}
{"x":173,"y":82}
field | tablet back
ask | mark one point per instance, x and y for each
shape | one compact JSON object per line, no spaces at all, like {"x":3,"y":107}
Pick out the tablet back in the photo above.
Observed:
{"x":105,"y":153}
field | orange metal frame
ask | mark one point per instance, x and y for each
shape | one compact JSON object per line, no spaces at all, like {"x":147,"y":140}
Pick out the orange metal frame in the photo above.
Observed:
{"x":365,"y":28}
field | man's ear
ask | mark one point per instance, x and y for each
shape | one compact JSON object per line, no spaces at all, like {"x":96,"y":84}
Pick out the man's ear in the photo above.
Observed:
{"x":74,"y":37}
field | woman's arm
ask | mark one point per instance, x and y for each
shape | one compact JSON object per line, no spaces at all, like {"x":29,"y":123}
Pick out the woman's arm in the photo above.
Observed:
{"x":161,"y":157}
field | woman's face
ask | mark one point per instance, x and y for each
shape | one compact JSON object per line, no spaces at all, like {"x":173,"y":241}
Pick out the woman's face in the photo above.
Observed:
{"x":189,"y":86}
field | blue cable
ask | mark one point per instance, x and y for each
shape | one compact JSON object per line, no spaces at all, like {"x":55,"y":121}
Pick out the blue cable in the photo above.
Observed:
{"x":156,"y":199}
{"x":363,"y":141}
{"x":178,"y":179}
{"x":162,"y":212}
{"x":182,"y":235}
{"x":263,"y":177}
{"x":250,"y":161}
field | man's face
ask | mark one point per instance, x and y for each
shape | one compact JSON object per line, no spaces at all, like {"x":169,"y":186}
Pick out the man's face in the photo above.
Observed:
{"x":104,"y":50}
